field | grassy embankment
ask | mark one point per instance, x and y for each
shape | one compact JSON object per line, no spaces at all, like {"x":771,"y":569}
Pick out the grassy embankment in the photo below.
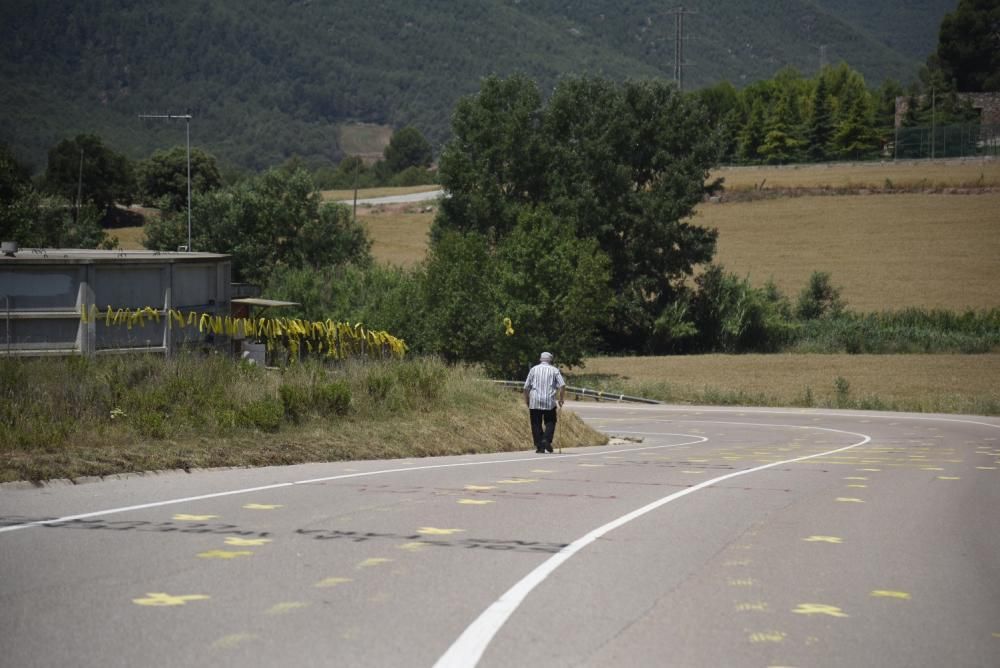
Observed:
{"x":72,"y":417}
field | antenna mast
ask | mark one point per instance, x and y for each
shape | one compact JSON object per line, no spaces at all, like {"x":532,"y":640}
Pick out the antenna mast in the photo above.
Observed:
{"x":187,"y":118}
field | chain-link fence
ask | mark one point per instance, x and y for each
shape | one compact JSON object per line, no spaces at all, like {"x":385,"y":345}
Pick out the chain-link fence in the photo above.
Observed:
{"x":947,"y":141}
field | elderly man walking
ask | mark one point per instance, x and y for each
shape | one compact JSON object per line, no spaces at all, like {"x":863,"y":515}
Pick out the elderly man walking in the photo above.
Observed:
{"x":543,"y":388}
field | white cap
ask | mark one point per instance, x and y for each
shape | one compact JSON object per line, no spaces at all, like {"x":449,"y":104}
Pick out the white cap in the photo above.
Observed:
{"x":546,"y":357}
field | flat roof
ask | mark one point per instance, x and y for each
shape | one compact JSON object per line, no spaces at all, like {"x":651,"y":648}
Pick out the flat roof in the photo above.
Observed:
{"x":88,"y":256}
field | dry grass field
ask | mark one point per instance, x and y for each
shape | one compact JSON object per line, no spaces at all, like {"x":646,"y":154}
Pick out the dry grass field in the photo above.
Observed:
{"x":930,"y":383}
{"x":956,"y":173}
{"x":398,"y":232}
{"x":884,"y":251}
{"x":365,"y":139}
{"x":129,"y":238}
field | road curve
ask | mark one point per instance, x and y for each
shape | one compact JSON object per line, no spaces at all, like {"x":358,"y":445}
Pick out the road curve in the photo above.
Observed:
{"x":713,"y":537}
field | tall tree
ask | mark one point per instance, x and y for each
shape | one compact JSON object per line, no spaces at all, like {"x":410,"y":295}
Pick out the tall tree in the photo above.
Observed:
{"x":15,"y":176}
{"x":494,"y":164}
{"x":722,"y":102}
{"x":855,"y":136}
{"x":276,"y":219}
{"x":408,"y":148}
{"x":35,"y":220}
{"x":86,"y":166}
{"x":820,"y":128}
{"x":622,"y":164}
{"x":165,"y":175}
{"x":968,"y":49}
{"x":752,"y":136}
{"x":781,"y":142}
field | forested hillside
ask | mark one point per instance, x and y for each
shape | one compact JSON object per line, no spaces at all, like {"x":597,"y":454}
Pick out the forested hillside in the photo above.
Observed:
{"x":267,"y":79}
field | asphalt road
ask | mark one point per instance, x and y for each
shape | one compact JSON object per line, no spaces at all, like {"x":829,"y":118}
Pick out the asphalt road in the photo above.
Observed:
{"x":399,"y":199}
{"x":726,"y":537}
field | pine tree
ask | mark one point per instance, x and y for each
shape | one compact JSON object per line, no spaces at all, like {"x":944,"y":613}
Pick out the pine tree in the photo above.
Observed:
{"x":753,"y":134}
{"x":781,"y":145}
{"x":820,"y":128}
{"x":855,"y":136}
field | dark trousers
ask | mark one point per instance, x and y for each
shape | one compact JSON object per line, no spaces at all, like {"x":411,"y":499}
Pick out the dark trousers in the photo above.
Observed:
{"x":541,"y":433}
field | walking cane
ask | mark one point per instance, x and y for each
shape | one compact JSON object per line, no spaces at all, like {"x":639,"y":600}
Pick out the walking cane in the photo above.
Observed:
{"x":559,"y":406}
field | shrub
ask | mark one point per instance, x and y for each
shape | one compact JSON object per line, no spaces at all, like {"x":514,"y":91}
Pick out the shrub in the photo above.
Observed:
{"x":819,"y":298}
{"x":333,"y":398}
{"x":262,"y":414}
{"x":843,"y":389}
{"x":734,"y":317}
{"x":150,"y":424}
{"x":420,"y":381}
{"x":295,"y":400}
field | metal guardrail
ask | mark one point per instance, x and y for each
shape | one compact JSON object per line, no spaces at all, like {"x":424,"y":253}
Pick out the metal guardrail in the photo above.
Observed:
{"x":586,"y":393}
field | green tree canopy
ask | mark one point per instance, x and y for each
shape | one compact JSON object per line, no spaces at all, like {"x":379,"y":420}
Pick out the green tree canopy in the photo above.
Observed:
{"x":620,"y":164}
{"x":15,"y":176}
{"x":165,"y":175}
{"x":274,"y":220}
{"x":102,"y":176}
{"x":33,"y":219}
{"x":781,"y":142}
{"x":968,"y":49}
{"x":753,"y":133}
{"x":408,"y":148}
{"x":540,"y":288}
{"x":820,"y":123}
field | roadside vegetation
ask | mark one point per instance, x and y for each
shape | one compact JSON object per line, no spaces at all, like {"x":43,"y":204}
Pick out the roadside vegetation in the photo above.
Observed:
{"x":73,"y":417}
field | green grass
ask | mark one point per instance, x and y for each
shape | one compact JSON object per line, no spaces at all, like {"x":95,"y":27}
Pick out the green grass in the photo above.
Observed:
{"x":72,"y":417}
{"x":907,"y":331}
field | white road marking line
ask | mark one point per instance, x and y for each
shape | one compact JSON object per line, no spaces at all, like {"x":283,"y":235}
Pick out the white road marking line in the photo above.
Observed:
{"x":468,"y":648}
{"x":249,"y":490}
{"x":744,"y":412}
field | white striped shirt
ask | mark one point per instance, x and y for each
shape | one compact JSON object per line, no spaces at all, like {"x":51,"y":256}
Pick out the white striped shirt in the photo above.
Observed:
{"x":544,"y":380}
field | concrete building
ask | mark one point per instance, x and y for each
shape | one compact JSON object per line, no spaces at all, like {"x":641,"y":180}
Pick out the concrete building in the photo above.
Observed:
{"x":44,"y":291}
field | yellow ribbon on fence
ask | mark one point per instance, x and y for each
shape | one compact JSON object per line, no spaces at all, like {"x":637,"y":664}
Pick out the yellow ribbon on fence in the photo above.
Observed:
{"x":338,"y":339}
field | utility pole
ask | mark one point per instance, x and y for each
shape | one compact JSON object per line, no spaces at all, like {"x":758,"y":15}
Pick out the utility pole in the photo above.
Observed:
{"x":187,"y":117}
{"x":357,"y":173}
{"x":933,"y":119}
{"x":79,"y":188}
{"x":679,"y":13}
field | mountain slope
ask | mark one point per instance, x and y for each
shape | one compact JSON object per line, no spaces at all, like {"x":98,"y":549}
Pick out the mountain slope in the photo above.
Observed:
{"x":266,"y":79}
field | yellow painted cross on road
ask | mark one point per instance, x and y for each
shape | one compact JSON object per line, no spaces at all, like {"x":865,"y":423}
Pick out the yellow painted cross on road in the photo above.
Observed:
{"x":819,"y":609}
{"x":159,"y":599}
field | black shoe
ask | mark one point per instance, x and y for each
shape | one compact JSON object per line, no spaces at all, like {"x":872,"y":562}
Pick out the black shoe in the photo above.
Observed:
{"x":549,"y":450}
{"x":539,"y":452}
